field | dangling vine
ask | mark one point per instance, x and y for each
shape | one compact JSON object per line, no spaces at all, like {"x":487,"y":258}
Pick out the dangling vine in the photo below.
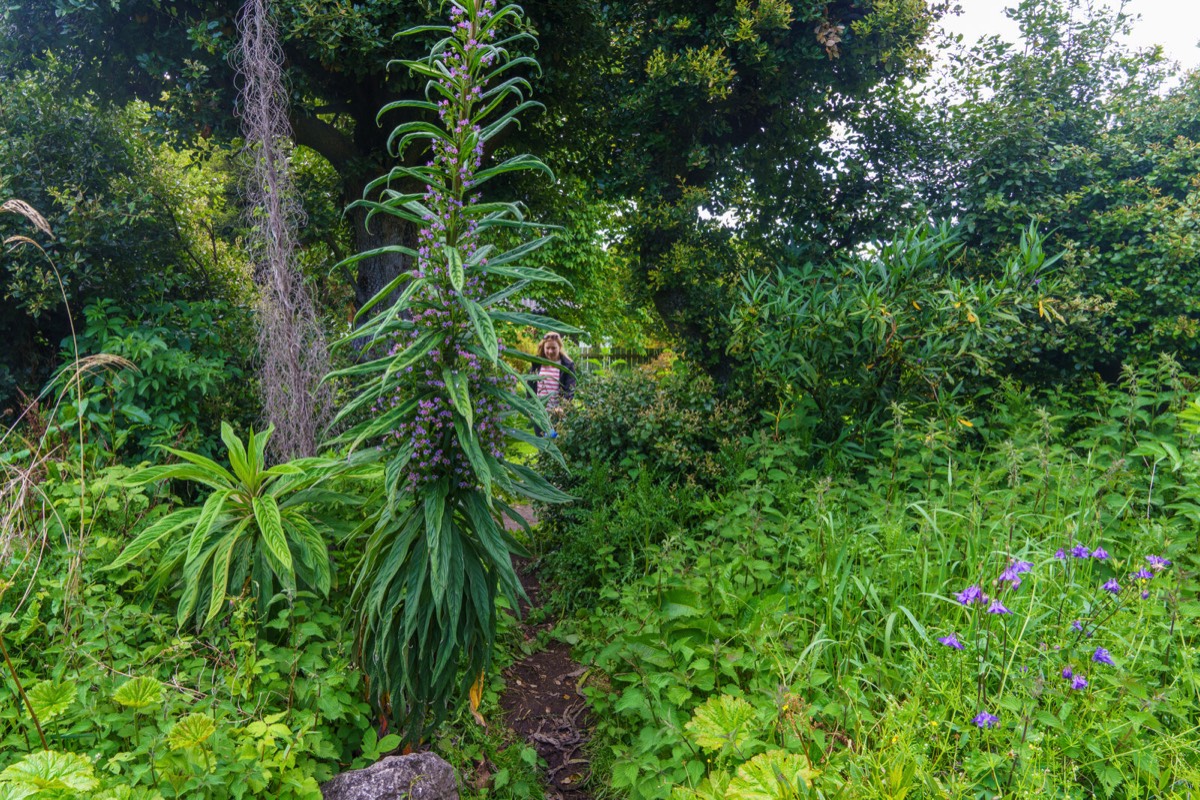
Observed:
{"x":292,"y":348}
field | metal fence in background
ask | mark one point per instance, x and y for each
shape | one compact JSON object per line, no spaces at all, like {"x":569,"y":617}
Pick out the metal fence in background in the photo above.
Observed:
{"x":592,"y":360}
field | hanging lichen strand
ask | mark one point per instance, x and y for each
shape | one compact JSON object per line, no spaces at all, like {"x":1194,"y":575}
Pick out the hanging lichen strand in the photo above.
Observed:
{"x":442,"y":404}
{"x":293,"y":355}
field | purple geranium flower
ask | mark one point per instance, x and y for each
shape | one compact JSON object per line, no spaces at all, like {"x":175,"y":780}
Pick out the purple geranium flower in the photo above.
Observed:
{"x":1080,"y":682}
{"x":951,"y":641}
{"x":1079,"y":551}
{"x":1100,"y":553}
{"x":1112,"y":586}
{"x":969,"y":595}
{"x":997,"y":608}
{"x":1102,"y":656}
{"x":985,"y":720}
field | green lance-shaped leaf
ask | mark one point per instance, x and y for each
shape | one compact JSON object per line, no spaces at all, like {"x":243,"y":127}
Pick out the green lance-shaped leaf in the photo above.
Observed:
{"x":159,"y":529}
{"x":266,"y":513}
{"x":237,"y":454}
{"x":485,"y":331}
{"x":436,"y":518}
{"x":535,"y":321}
{"x":139,"y":693}
{"x":207,"y":521}
{"x":222,"y":557}
{"x":219,"y":474}
{"x":460,"y":394}
{"x":455,"y":263}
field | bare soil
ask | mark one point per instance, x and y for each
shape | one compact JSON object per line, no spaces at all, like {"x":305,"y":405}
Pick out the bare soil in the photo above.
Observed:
{"x":542,"y":702}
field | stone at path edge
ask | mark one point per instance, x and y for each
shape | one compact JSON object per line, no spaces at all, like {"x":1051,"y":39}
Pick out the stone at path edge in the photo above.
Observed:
{"x":420,"y":776}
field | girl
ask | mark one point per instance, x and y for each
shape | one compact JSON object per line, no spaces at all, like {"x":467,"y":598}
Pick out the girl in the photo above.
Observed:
{"x":552,"y":383}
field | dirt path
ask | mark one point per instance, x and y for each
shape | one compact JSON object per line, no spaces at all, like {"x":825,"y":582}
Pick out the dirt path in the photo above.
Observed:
{"x":542,"y":702}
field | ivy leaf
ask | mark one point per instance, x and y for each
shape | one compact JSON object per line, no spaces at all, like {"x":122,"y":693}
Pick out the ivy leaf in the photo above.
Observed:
{"x":138,"y":693}
{"x":775,"y":775}
{"x":191,"y":732}
{"x":721,"y":722}
{"x":51,"y":699}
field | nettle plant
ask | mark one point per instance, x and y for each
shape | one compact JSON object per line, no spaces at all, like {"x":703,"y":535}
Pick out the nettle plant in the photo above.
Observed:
{"x":1068,"y":659}
{"x":441,"y":401}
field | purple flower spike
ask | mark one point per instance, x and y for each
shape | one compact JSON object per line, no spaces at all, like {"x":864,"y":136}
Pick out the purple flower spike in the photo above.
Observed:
{"x":1068,"y":673}
{"x":1102,"y":656}
{"x":985,"y":720}
{"x":951,"y":641}
{"x":1112,"y":586}
{"x":1080,"y":682}
{"x":969,"y":595}
{"x":1157,"y":563}
{"x":997,"y":608}
{"x":1100,"y":553}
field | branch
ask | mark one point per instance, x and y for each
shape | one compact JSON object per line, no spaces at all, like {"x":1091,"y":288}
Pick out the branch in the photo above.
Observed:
{"x":337,"y":148}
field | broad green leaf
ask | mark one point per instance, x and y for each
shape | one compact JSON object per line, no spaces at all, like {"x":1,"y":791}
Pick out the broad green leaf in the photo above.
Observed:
{"x":52,"y":772}
{"x":140,"y":692}
{"x":51,"y":699}
{"x":774,"y":775}
{"x":721,"y":722}
{"x":191,"y":732}
{"x":266,"y":513}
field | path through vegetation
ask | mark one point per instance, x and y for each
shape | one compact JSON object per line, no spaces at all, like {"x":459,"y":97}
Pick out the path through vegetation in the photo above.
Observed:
{"x":542,"y":702}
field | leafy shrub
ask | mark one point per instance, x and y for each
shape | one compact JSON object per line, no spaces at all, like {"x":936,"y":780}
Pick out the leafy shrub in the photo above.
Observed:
{"x":252,"y":711}
{"x":254,"y":533}
{"x":895,"y":325}
{"x":133,"y":221}
{"x":672,"y":424}
{"x":607,"y":538}
{"x":813,"y":625}
{"x":642,"y":445}
{"x":190,"y":370}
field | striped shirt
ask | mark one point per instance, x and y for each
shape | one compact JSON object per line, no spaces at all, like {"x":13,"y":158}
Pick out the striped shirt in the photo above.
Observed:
{"x":547,"y":385}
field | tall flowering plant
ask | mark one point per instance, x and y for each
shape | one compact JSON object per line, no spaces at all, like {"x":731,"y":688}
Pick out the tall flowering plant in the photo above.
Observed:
{"x":441,"y":401}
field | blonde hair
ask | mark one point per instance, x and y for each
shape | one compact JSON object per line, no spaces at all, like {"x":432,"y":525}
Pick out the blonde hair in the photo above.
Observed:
{"x":541,"y":351}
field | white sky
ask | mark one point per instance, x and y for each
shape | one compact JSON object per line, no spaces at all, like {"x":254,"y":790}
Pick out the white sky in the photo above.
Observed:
{"x":1175,"y":24}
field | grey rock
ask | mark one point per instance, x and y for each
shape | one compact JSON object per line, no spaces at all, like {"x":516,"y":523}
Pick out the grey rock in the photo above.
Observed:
{"x":420,"y":776}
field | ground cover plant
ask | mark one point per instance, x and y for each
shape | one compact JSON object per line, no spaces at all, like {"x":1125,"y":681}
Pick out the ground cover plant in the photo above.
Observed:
{"x":1006,"y":607}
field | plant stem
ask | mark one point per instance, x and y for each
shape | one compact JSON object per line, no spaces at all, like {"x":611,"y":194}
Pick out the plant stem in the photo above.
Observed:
{"x":21,"y":691}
